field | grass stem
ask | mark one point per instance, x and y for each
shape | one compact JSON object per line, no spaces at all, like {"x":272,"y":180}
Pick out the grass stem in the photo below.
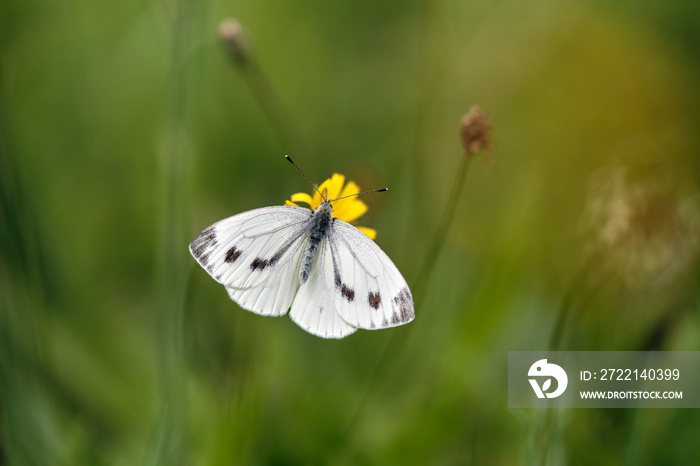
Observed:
{"x":398,"y":338}
{"x":276,"y":112}
{"x":168,"y":445}
{"x":438,"y":241}
{"x":241,"y":54}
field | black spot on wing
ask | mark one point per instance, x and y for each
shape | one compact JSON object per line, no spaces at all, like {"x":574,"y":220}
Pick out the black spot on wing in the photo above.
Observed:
{"x":404,"y":306}
{"x":206,"y":240}
{"x":374,"y":299}
{"x":204,"y":259}
{"x":258,"y":264}
{"x":338,"y":282}
{"x":347,"y":293}
{"x":232,"y":254}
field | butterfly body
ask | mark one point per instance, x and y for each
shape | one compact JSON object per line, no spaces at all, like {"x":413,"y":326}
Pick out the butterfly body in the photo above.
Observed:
{"x":318,"y":230}
{"x":330,"y":276}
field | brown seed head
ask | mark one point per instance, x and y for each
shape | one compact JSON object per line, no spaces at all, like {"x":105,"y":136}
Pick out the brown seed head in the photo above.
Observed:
{"x":647,"y":233}
{"x":235,"y":42}
{"x":475,"y":129}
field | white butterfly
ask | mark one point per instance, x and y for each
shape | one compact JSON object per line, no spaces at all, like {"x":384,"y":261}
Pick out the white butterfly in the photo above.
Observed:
{"x":334,"y":277}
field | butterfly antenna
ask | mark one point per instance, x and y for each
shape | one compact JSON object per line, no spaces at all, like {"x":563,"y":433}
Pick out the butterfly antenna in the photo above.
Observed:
{"x":359,"y":194}
{"x":307,"y":178}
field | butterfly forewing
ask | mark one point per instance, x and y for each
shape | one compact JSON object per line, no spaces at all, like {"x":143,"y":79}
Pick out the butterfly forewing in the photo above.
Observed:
{"x":370,"y":292}
{"x":256,"y":255}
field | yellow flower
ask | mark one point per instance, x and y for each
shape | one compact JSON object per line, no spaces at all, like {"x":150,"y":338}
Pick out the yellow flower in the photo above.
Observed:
{"x":348,"y":209}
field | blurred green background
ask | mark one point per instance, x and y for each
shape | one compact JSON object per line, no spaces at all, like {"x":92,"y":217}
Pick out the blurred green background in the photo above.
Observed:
{"x":125,"y":131}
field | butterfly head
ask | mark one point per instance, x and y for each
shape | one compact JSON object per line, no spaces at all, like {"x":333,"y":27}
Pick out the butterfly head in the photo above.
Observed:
{"x":325,"y":206}
{"x":324,"y":195}
{"x":337,"y":197}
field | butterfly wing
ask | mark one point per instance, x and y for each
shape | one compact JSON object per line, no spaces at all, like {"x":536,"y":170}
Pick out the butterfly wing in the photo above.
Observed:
{"x":256,"y":255}
{"x":369,"y":290}
{"x":314,"y":308}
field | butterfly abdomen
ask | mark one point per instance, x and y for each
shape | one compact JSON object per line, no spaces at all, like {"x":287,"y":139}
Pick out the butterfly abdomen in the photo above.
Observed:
{"x":318,"y":229}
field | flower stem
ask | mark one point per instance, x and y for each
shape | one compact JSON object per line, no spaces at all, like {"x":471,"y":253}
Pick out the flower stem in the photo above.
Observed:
{"x":241,"y":54}
{"x":544,"y":439}
{"x":168,"y":445}
{"x":28,"y":436}
{"x":277,"y":114}
{"x":398,"y":338}
{"x":567,"y":311}
{"x":444,"y":225}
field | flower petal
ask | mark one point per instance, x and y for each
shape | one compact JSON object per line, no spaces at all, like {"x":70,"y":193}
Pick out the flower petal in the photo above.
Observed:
{"x":350,"y":188}
{"x":371,"y":232}
{"x":332,"y":186}
{"x":303,"y":197}
{"x":349,"y":209}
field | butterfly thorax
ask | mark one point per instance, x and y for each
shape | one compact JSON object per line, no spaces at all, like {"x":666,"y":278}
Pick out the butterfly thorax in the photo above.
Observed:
{"x":319,"y":226}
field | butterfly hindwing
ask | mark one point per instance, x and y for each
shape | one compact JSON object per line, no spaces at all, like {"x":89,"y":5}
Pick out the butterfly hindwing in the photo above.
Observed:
{"x":256,"y":255}
{"x":369,"y":290}
{"x":275,"y":295}
{"x":314,"y":308}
